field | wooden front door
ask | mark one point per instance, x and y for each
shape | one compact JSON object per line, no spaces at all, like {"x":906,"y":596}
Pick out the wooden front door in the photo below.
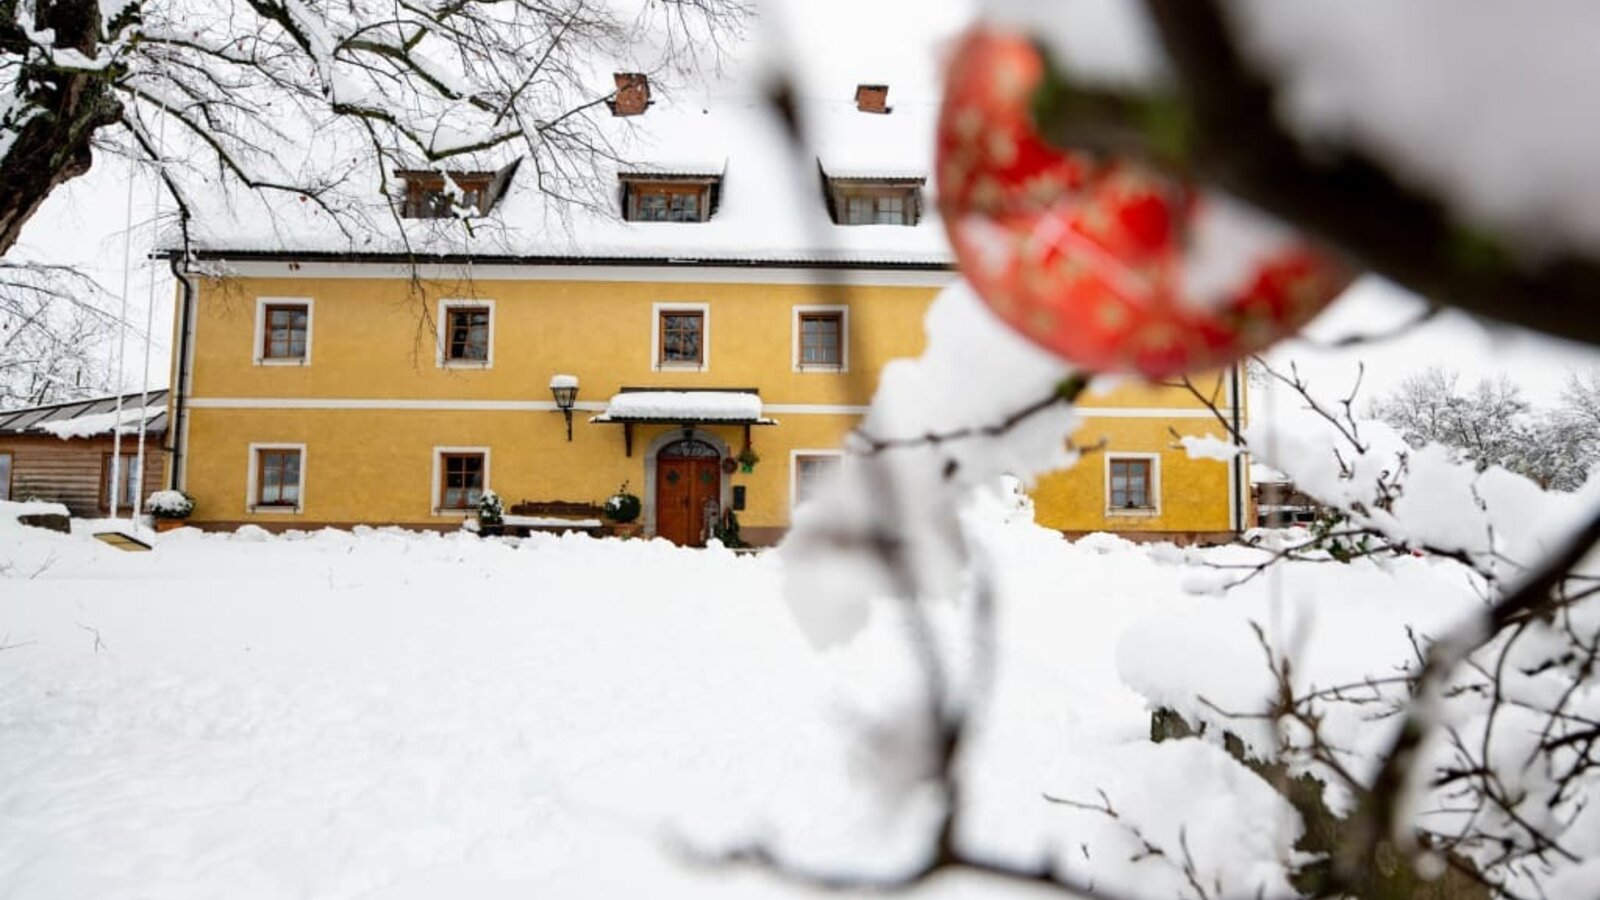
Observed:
{"x":688,"y":492}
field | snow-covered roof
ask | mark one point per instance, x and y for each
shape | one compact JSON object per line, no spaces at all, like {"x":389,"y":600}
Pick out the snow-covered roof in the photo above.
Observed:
{"x":90,"y":418}
{"x":1261,"y":473}
{"x":771,"y":206}
{"x":741,"y":407}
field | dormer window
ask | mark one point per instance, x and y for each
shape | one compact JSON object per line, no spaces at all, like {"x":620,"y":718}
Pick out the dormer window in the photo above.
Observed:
{"x":475,"y":193}
{"x":660,"y":198}
{"x":876,"y":208}
{"x":874,"y":201}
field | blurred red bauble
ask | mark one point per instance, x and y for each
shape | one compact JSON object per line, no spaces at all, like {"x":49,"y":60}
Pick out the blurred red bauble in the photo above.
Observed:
{"x":1107,"y":262}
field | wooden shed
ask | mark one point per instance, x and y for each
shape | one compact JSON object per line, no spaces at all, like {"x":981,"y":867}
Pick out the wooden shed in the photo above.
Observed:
{"x":65,"y":452}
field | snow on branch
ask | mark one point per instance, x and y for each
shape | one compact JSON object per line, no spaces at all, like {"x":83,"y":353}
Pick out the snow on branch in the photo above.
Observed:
{"x":1473,"y":236}
{"x":299,"y":112}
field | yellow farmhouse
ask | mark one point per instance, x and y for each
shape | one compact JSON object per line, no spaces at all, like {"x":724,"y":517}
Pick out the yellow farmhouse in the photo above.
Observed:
{"x":714,"y":335}
{"x":375,"y":421}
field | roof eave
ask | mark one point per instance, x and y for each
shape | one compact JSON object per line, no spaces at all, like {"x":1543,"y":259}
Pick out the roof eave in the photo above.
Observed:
{"x":323,"y":256}
{"x":676,"y":420}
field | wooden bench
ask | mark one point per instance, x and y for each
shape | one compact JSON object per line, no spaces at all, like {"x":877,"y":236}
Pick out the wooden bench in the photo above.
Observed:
{"x":555,"y":517}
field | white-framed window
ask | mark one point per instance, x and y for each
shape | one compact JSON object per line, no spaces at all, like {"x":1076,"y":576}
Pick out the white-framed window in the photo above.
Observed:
{"x":809,"y":470}
{"x":466,"y":334}
{"x":821,"y":339}
{"x":127,"y":479}
{"x":1133,"y":484}
{"x":283,"y":331}
{"x":875,"y":203}
{"x":680,"y":337}
{"x":460,"y":476}
{"x":277,"y":479}
{"x":646,"y":199}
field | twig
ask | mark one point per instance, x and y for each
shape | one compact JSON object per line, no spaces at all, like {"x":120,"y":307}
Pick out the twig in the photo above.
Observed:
{"x":1065,"y":393}
{"x":98,"y":643}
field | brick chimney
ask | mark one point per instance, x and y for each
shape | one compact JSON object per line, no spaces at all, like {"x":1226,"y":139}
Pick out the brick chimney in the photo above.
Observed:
{"x":633,"y":93}
{"x":872,"y":98}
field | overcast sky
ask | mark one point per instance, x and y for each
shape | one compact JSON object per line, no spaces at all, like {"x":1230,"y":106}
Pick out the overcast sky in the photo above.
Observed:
{"x":83,"y":224}
{"x":1538,"y":364}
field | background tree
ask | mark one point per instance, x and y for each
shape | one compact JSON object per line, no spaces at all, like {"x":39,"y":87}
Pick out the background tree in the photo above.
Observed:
{"x":1581,"y":399}
{"x":319,"y":101}
{"x":1494,"y":425}
{"x":1430,"y":408}
{"x":54,"y":330}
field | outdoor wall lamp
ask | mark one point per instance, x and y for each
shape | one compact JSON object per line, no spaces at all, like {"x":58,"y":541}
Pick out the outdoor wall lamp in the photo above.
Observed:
{"x":565,"y":389}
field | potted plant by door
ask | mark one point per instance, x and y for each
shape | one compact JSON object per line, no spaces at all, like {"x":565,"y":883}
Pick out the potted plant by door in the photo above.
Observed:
{"x":727,"y":531}
{"x":622,"y":511}
{"x":170,"y":509}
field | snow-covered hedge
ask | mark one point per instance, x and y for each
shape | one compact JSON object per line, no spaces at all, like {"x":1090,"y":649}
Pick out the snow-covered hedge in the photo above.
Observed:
{"x":11,"y":510}
{"x":491,"y":509}
{"x":170,"y":505}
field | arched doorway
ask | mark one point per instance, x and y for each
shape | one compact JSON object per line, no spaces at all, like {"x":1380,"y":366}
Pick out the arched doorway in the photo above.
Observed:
{"x":688,"y":491}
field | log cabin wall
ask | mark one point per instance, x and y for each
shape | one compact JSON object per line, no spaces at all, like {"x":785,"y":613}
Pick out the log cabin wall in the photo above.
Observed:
{"x":72,"y":472}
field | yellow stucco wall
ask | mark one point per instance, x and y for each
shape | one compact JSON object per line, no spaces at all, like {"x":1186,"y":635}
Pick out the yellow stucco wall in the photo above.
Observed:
{"x":373,"y":344}
{"x":377,"y":465}
{"x":1192,"y":493}
{"x":374,"y":338}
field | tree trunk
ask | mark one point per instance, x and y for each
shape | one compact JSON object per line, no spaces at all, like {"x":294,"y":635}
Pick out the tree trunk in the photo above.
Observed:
{"x":64,"y":110}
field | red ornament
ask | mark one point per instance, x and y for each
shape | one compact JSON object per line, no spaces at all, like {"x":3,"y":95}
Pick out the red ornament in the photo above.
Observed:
{"x":1106,"y":262}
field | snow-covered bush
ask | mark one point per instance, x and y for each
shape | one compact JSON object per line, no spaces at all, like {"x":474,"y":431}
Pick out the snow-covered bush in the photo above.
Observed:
{"x":491,"y":509}
{"x":170,"y":505}
{"x":623,"y":507}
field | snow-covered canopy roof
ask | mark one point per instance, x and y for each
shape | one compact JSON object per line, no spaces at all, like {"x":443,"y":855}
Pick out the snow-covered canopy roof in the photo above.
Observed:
{"x":90,"y":418}
{"x":730,"y":407}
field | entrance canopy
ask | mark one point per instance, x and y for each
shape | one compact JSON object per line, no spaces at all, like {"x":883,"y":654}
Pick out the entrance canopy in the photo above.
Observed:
{"x":645,"y":406}
{"x":655,"y":406}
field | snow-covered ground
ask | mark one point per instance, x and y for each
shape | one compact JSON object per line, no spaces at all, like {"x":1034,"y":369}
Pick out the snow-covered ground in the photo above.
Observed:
{"x":394,"y":715}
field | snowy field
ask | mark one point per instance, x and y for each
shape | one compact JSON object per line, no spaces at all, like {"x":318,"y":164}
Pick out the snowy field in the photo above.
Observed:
{"x":395,"y":715}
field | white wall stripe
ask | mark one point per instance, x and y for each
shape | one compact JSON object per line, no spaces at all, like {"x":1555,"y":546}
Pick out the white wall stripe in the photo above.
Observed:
{"x":391,"y":404}
{"x":812,"y":409}
{"x":1137,"y":412}
{"x":453,"y":405}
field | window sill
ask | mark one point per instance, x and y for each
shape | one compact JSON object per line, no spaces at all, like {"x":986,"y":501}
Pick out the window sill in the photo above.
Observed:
{"x":453,"y":513}
{"x":1144,"y":512}
{"x":276,"y":510}
{"x":680,"y":367}
{"x":465,"y":364}
{"x":298,"y":362}
{"x":817,"y":368}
